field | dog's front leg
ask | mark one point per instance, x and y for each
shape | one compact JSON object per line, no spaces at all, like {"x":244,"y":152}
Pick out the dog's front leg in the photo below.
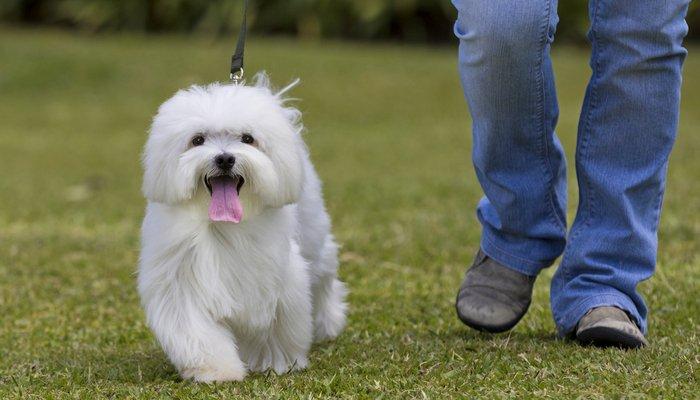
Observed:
{"x":286,"y":346}
{"x":200,"y":348}
{"x":293,"y":329}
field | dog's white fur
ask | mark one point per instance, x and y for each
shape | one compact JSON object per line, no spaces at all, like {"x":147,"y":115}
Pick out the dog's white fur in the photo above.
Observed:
{"x":225,"y":298}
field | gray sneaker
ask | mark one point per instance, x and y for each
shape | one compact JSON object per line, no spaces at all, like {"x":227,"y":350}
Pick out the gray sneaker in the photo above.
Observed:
{"x":493,"y":298}
{"x":609,"y":327}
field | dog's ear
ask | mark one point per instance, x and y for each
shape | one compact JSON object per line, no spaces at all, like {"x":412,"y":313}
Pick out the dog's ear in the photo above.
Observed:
{"x":169,"y":177}
{"x":288,"y":158}
{"x":164,"y":179}
{"x":291,"y":174}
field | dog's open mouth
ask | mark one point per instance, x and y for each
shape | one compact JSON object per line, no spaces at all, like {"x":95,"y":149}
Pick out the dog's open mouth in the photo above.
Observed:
{"x":225,"y":204}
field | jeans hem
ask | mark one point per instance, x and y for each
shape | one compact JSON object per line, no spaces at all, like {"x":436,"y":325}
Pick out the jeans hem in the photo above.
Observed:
{"x":567,"y":324}
{"x":512,"y":261}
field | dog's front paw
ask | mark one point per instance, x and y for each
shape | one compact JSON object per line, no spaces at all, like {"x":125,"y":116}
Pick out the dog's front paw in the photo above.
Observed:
{"x":208,"y":374}
{"x":300,"y":363}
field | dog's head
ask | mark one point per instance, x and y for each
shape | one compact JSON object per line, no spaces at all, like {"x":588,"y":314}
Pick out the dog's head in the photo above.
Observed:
{"x":240,"y":145}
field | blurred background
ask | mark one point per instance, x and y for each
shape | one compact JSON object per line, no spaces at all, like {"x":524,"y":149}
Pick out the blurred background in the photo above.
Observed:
{"x":406,"y":20}
{"x":389,"y":132}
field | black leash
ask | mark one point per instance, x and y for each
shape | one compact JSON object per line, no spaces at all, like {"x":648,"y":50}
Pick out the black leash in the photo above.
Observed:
{"x":237,"y":57}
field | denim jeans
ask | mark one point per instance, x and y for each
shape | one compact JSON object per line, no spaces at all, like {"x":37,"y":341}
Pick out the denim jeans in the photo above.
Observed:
{"x":627,"y":128}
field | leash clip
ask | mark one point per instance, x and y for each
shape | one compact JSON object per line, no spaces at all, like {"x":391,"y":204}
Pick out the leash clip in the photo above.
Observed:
{"x":236,"y":77}
{"x":237,"y":57}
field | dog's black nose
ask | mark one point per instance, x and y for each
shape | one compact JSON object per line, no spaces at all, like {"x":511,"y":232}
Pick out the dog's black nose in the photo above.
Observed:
{"x":225,"y":161}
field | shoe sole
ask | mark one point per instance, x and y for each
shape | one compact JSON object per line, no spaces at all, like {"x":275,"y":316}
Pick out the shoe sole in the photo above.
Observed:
{"x":489,"y":328}
{"x":604,"y":336}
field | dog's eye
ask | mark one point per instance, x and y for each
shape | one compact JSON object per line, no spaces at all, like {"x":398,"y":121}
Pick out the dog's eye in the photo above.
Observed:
{"x":247,"y":139}
{"x":198,"y":140}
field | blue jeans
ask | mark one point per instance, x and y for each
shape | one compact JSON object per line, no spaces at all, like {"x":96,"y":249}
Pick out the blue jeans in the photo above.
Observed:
{"x":627,"y":128}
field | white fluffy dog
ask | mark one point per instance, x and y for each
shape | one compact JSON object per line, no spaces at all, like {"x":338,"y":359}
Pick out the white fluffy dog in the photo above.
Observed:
{"x":238,"y":268}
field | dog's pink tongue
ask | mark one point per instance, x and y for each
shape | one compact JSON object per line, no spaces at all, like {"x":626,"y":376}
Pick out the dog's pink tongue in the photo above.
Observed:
{"x":225,"y":205}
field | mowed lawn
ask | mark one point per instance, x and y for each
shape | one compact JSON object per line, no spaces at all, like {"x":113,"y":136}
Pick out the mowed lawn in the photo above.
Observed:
{"x":390,"y":135}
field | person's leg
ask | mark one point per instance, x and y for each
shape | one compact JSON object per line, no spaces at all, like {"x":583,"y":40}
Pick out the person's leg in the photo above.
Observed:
{"x":627,"y":128}
{"x":507,"y":78}
{"x":509,"y":85}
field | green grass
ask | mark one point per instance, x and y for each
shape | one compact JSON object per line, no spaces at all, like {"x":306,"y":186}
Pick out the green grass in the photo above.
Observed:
{"x":389,"y":133}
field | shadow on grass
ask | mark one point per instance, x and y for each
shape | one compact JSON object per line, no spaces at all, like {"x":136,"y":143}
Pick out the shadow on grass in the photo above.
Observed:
{"x":482,"y":339}
{"x":123,"y":366}
{"x":129,"y":366}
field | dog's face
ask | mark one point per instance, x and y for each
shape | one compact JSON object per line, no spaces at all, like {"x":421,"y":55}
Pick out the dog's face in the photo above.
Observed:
{"x":237,"y":146}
